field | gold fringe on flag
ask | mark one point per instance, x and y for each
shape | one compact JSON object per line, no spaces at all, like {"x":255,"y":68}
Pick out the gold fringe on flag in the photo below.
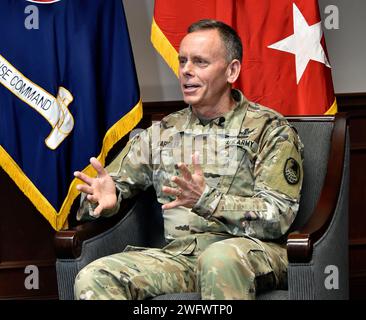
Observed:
{"x":58,"y":220}
{"x":164,"y":47}
{"x":333,"y":108}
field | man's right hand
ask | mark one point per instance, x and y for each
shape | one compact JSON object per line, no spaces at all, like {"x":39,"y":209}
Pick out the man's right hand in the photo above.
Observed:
{"x":100,"y":190}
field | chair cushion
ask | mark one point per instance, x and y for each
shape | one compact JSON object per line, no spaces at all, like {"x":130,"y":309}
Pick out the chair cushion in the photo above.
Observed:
{"x":179,"y":296}
{"x":270,"y":295}
{"x":273,"y":295}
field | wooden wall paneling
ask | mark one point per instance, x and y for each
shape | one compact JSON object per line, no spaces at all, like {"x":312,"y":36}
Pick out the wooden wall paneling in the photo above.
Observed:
{"x":26,"y":238}
{"x":357,"y":198}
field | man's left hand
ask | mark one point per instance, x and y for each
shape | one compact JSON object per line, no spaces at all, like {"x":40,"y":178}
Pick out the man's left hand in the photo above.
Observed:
{"x":190,"y":186}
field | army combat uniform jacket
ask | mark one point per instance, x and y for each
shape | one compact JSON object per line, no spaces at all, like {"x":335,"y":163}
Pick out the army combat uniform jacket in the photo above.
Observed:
{"x":252,"y":162}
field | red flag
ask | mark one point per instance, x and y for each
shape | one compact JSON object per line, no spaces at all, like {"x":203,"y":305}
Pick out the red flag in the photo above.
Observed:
{"x":285,"y":64}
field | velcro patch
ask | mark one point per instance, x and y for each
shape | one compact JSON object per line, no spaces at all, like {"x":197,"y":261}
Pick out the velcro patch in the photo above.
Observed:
{"x":291,"y":171}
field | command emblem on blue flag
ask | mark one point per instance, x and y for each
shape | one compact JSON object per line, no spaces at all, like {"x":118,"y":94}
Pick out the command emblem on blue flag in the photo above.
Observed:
{"x":68,"y":91}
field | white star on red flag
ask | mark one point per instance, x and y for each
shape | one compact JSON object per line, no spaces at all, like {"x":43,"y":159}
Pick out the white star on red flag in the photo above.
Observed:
{"x":304,"y":43}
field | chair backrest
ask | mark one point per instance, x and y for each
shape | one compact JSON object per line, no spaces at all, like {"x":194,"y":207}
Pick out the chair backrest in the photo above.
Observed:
{"x":315,"y":133}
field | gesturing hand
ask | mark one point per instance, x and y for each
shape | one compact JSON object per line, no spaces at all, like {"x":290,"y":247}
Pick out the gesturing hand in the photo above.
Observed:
{"x":101,"y":189}
{"x":190,"y":186}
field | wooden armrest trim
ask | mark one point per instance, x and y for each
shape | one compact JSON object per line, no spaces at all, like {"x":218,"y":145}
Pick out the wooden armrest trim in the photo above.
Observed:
{"x":68,"y":243}
{"x":300,"y":243}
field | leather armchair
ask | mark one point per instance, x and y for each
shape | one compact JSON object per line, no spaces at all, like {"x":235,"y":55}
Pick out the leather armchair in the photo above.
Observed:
{"x":317,"y":243}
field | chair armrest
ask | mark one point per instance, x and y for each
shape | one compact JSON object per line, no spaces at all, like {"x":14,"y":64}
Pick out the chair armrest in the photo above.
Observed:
{"x":68,"y":243}
{"x":300,"y":243}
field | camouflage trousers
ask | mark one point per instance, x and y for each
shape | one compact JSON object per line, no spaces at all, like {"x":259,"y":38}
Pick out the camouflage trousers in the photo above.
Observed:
{"x":216,"y":266}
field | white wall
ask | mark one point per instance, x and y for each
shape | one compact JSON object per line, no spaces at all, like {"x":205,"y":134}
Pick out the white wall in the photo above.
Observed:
{"x":347,"y":45}
{"x":157,"y":81}
{"x":346,"y":48}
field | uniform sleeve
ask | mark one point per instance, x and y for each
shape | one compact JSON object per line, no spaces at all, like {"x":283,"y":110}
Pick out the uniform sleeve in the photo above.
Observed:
{"x":278,"y":175}
{"x":131,"y":171}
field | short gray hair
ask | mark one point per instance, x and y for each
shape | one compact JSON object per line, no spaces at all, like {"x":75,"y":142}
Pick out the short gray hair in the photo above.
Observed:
{"x":228,"y":35}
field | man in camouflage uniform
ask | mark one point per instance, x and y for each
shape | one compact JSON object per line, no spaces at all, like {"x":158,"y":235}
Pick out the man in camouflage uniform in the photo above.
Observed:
{"x":228,"y":173}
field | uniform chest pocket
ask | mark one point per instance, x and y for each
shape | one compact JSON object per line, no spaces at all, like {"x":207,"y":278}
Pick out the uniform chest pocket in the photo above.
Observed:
{"x":238,"y":174}
{"x":167,"y":157}
{"x":233,"y":156}
{"x":165,"y":160}
{"x":164,"y":170}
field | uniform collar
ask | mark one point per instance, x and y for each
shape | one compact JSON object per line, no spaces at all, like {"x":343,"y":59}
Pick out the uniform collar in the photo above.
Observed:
{"x":225,"y":120}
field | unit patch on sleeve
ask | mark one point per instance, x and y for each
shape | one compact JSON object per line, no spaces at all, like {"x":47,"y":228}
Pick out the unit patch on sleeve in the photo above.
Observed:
{"x":291,"y":171}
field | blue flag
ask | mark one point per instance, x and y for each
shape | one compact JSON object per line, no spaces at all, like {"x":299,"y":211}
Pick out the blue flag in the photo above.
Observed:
{"x":68,"y":91}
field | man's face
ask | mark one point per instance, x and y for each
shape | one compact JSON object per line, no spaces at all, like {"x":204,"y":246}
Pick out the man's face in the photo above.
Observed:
{"x":203,"y":68}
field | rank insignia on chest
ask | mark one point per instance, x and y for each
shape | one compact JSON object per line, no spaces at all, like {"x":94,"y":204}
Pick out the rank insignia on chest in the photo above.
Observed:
{"x":244,"y":134}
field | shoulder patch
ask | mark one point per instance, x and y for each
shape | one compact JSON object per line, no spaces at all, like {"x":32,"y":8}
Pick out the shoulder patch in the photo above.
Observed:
{"x":291,"y":171}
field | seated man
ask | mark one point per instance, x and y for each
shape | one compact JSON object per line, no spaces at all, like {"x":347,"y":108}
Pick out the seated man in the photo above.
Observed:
{"x":228,"y":173}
